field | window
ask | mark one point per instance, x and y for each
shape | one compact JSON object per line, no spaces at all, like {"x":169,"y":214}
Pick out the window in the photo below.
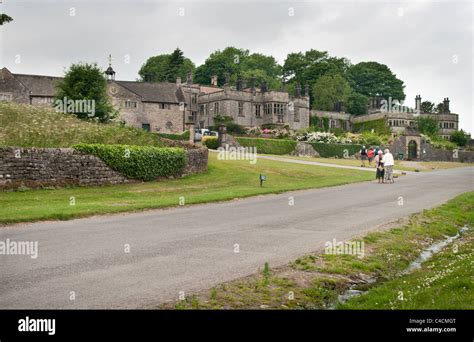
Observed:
{"x":146,"y":127}
{"x":201,"y":109}
{"x":164,"y":106}
{"x":194,"y":98}
{"x":241,"y":109}
{"x":257,"y":111}
{"x":6,"y":97}
{"x":332,"y":124}
{"x":130,"y":104}
{"x":216,"y":108}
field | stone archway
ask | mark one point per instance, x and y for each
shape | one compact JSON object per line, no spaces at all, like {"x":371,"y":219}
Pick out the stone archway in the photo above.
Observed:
{"x":412,"y":150}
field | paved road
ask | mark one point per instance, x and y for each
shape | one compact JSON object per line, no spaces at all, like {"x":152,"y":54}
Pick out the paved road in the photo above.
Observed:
{"x":311,"y":162}
{"x":192,"y":248}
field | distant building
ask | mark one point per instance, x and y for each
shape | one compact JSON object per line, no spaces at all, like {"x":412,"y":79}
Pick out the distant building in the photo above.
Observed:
{"x":398,"y":120}
{"x":167,"y":107}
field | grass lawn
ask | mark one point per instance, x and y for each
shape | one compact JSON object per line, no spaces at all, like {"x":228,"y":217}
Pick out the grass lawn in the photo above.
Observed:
{"x":225,"y":180}
{"x":399,"y":164}
{"x":315,"y":281}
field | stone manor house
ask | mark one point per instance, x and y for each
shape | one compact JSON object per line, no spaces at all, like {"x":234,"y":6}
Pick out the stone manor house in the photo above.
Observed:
{"x":168,"y":107}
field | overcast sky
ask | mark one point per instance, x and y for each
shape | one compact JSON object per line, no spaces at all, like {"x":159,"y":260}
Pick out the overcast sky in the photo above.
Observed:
{"x":427,"y":44}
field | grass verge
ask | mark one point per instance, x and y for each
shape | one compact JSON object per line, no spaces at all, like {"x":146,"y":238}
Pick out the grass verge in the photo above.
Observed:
{"x":315,"y":281}
{"x":225,"y":180}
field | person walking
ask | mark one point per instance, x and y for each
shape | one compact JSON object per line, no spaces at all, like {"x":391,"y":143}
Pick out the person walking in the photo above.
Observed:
{"x":388,"y":164}
{"x":380,"y":173}
{"x":370,"y":155}
{"x":363,"y":155}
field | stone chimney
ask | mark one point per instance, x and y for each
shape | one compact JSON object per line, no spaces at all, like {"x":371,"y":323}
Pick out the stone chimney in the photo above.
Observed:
{"x":418,"y":103}
{"x":178,"y":81}
{"x":252,"y":86}
{"x":238,"y":84}
{"x":190,"y":77}
{"x":214,"y":81}
{"x":306,"y":90}
{"x":298,"y":90}
{"x":446,"y":105}
{"x":263,"y":87}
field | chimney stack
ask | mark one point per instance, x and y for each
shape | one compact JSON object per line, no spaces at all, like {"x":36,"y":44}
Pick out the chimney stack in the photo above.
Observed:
{"x":306,"y":90}
{"x":214,"y":81}
{"x":190,"y":77}
{"x":298,"y":90}
{"x":418,"y":103}
{"x":446,"y":105}
{"x":178,"y":81}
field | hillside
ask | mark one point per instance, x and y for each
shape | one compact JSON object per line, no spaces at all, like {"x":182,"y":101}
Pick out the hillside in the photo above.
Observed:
{"x":29,"y":126}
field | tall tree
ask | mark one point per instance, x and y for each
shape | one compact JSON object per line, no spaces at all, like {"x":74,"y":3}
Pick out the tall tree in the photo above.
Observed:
{"x":374,"y":79}
{"x":5,"y":18}
{"x":308,"y":67}
{"x":166,"y":67}
{"x":357,"y":104}
{"x":427,"y":107}
{"x":328,"y":90}
{"x":239,"y":63}
{"x":85,"y":85}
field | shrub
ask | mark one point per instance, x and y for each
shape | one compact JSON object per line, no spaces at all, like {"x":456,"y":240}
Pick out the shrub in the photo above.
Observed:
{"x":139,"y":162}
{"x":269,"y":146}
{"x":379,"y":126}
{"x":336,"y":150}
{"x":460,"y":138}
{"x":210,"y":142}
{"x":172,"y":136}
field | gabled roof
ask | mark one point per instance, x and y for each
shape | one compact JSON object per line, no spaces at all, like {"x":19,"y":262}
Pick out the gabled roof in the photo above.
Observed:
{"x":39,"y":85}
{"x":155,"y":92}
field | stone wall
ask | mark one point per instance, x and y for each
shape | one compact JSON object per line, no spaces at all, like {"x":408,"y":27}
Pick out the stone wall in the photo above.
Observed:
{"x":42,"y":167}
{"x":39,"y":167}
{"x":426,"y":152}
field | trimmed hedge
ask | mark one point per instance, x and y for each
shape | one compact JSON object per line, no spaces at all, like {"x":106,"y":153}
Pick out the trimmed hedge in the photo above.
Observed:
{"x":171,"y":136}
{"x":379,"y":126}
{"x":269,"y":146}
{"x":333,"y":150}
{"x":139,"y":162}
{"x":211,"y":142}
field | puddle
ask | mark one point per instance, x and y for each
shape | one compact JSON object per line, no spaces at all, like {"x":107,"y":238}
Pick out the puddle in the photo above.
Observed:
{"x":424,"y":256}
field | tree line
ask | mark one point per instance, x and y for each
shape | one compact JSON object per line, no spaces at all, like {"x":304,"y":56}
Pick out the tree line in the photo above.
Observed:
{"x":330,"y":79}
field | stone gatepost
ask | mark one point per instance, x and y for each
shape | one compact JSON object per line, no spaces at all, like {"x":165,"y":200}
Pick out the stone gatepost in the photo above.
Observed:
{"x":221,"y":139}
{"x":190,"y":127}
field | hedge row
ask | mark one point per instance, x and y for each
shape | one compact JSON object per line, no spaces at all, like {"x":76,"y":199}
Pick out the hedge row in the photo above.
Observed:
{"x":183,"y":136}
{"x":269,"y":146}
{"x":139,"y":162}
{"x":333,"y":150}
{"x":211,"y":142}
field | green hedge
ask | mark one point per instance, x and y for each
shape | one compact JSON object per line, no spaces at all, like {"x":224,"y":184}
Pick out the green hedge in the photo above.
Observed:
{"x":139,"y":162}
{"x":171,"y":136}
{"x":379,"y":126}
{"x":211,"y":142}
{"x":333,"y":150}
{"x":269,"y":146}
